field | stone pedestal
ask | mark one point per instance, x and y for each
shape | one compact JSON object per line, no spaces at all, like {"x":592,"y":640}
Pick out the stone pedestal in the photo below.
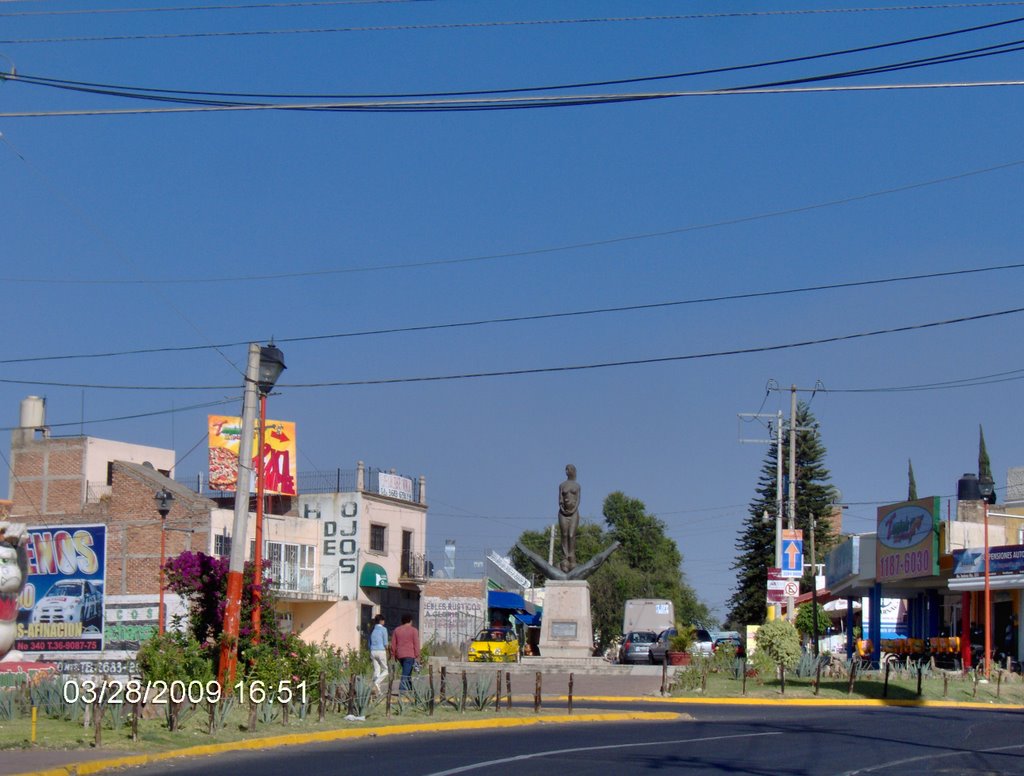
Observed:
{"x":567,"y":630}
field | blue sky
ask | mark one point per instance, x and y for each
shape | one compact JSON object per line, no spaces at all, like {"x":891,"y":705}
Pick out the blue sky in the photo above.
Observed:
{"x":718,"y":193}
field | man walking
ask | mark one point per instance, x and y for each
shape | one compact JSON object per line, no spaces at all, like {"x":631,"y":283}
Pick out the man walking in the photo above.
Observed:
{"x":405,"y":648}
{"x":379,"y":651}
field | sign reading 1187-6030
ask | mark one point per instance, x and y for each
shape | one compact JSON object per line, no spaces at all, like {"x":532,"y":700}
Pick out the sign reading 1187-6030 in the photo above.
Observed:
{"x":61,"y":607}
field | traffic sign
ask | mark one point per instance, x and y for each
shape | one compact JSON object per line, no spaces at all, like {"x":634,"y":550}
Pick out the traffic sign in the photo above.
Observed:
{"x":776,"y":586}
{"x":792,"y":553}
{"x":792,"y":588}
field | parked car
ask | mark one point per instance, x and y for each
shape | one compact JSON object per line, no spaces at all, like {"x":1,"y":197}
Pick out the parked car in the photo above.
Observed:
{"x":658,"y":652}
{"x":636,"y":646}
{"x":494,"y":645}
{"x":703,"y":644}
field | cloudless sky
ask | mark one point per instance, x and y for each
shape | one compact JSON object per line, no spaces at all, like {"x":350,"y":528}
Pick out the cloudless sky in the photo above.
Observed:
{"x":715,"y":192}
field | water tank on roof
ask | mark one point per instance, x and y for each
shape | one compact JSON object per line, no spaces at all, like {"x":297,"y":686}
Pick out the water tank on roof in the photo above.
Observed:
{"x":967,"y":488}
{"x":33,"y":412}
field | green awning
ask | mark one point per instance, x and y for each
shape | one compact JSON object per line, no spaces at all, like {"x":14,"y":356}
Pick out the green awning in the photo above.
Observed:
{"x":373,"y":575}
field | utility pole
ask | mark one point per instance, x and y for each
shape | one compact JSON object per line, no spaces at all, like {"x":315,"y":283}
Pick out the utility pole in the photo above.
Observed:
{"x":233,"y":609}
{"x":814,"y":591}
{"x":790,"y":600}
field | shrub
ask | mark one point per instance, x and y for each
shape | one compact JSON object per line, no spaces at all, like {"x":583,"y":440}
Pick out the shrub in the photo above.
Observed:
{"x":174,"y":657}
{"x":780,"y":641}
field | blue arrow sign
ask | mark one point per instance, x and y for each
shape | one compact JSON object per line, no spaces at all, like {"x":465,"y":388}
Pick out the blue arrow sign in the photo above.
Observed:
{"x":792,"y":557}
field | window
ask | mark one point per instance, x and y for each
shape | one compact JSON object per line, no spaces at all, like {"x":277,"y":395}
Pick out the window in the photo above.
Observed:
{"x":378,"y":535}
{"x":292,"y":566}
{"x":221,"y":545}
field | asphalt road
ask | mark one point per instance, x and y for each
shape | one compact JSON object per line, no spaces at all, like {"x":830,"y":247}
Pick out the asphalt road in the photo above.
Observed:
{"x":718,"y":739}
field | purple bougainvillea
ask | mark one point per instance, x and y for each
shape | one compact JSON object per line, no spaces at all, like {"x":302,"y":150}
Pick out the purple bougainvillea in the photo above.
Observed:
{"x":202,"y":581}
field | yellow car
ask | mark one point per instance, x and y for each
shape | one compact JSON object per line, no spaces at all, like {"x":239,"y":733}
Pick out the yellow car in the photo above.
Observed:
{"x":495,"y":645}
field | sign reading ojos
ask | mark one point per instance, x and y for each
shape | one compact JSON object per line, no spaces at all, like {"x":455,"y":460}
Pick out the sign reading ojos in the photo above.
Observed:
{"x":339,"y":539}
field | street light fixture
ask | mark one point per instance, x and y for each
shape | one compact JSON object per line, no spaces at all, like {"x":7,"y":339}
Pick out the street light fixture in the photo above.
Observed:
{"x":271,"y":367}
{"x":164,"y":499}
{"x":987,"y":489}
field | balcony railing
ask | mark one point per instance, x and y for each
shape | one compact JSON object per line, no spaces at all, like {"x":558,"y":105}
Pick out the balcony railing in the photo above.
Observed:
{"x":415,"y":566}
{"x":310,"y":482}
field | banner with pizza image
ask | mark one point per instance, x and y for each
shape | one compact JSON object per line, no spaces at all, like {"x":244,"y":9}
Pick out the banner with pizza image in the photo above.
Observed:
{"x":278,"y":455}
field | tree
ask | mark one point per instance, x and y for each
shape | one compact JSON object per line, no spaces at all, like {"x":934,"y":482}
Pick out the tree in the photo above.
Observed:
{"x":648,"y":565}
{"x":911,"y":482}
{"x":755,"y":544}
{"x":804,"y":620}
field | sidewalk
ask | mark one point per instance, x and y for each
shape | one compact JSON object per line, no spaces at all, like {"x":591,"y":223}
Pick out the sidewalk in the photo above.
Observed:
{"x":643,"y":681}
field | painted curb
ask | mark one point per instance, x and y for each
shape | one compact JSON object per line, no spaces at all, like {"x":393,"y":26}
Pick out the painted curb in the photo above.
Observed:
{"x":96,"y":766}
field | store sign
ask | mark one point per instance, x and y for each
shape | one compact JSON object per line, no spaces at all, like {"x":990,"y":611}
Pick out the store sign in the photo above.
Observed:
{"x":395,"y":486}
{"x":61,"y":606}
{"x":339,"y":541}
{"x":907,"y":544}
{"x":505,"y":564}
{"x":277,"y":453}
{"x":1001,"y":560}
{"x":843,"y":562}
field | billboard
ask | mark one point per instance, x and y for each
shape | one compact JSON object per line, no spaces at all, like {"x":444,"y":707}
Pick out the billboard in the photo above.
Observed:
{"x":908,"y":540}
{"x":61,"y":606}
{"x":278,"y":454}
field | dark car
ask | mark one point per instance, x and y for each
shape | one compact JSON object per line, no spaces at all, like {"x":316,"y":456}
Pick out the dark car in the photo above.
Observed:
{"x":659,"y":649}
{"x":636,"y":646}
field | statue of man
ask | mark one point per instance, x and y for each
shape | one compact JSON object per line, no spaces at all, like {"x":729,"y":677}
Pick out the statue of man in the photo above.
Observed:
{"x":569,"y":517}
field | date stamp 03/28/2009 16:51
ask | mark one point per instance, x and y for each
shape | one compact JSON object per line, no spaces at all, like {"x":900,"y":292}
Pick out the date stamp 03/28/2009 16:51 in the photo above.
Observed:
{"x":136,"y":691}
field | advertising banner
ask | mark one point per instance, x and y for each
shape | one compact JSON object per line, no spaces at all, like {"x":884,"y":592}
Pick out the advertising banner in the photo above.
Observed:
{"x":395,"y":486}
{"x":908,"y":540}
{"x":278,"y":455}
{"x":1001,"y":560}
{"x":61,"y":606}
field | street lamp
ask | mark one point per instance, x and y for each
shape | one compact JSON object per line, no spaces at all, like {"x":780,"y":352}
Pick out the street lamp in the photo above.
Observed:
{"x":271,"y":367}
{"x":163,"y":499}
{"x":987,"y":488}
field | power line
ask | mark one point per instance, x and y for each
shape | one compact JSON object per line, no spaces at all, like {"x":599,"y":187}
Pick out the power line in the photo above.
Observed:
{"x":492,"y":24}
{"x":557,"y":101}
{"x":964,"y":382}
{"x":152,"y":414}
{"x":527,"y":318}
{"x":547,"y":370}
{"x":194,"y":8}
{"x":533,"y":251}
{"x":142,"y":92}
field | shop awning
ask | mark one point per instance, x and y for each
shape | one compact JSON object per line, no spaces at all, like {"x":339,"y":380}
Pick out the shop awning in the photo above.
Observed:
{"x":373,"y":575}
{"x":528,"y":619}
{"x":501,"y":599}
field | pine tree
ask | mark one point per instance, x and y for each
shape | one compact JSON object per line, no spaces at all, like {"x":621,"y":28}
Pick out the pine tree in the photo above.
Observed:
{"x":911,"y":482}
{"x":755,"y":544}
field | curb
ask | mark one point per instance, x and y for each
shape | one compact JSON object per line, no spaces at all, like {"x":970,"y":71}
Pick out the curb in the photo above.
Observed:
{"x":96,"y":766}
{"x":783,"y":701}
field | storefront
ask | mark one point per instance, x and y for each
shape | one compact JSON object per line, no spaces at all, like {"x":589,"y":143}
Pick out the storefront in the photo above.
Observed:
{"x":1006,"y":591}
